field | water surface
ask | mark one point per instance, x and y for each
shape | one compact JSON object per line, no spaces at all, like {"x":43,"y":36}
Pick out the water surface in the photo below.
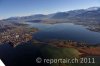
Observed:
{"x":66,"y":31}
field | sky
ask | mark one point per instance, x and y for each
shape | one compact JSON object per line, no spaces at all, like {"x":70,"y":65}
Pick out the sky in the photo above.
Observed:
{"x":11,"y":8}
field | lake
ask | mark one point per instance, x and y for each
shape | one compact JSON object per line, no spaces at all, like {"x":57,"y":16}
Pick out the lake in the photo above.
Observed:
{"x":65,"y":31}
{"x":26,"y":54}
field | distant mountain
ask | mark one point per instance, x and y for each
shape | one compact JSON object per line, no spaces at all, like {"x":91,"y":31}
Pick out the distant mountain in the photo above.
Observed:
{"x":37,"y":16}
{"x":25,"y":18}
{"x":73,"y":13}
{"x":93,"y":8}
{"x":60,"y":15}
{"x":92,"y":13}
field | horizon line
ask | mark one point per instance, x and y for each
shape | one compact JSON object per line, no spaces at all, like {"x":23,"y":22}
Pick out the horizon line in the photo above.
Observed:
{"x":45,"y":13}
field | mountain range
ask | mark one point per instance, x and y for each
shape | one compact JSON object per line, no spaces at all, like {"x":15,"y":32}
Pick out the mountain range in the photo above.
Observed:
{"x":91,"y":14}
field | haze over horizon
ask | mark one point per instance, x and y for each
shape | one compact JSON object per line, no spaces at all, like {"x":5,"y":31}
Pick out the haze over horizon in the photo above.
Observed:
{"x":11,"y":8}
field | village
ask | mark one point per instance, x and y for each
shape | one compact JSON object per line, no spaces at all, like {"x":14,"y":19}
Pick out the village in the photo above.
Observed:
{"x":16,"y":35}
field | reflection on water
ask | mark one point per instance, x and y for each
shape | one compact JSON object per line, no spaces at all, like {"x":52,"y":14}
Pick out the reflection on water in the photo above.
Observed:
{"x":66,"y":31}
